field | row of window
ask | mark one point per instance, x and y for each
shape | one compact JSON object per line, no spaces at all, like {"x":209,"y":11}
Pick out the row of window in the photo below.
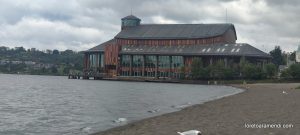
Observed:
{"x":152,"y":74}
{"x":164,"y":62}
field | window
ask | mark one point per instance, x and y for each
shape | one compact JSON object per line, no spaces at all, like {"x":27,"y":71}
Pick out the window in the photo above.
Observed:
{"x":137,"y":61}
{"x":150,"y":61}
{"x":163,"y":62}
{"x":125,"y":60}
{"x":177,"y":62}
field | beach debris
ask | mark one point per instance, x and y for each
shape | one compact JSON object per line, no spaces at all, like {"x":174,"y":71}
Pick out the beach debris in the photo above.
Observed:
{"x":181,"y":106}
{"x":120,"y":120}
{"x":86,"y":129}
{"x":245,"y":84}
{"x":154,"y":111}
{"x":284,"y":92}
{"x":190,"y":132}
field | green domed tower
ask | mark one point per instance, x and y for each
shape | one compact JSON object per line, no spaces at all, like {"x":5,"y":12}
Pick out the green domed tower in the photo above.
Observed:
{"x":130,"y":21}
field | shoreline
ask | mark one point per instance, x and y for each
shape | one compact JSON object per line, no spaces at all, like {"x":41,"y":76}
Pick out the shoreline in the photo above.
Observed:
{"x":259,"y":104}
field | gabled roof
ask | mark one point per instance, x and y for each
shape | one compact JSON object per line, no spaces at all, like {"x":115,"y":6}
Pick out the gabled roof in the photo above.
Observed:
{"x":100,"y":48}
{"x":174,"y":31}
{"x":239,"y":49}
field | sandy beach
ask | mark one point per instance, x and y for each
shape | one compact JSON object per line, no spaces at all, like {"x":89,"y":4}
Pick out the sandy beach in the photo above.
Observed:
{"x":263,"y":109}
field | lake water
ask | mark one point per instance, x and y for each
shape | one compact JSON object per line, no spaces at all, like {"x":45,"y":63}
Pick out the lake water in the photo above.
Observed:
{"x":51,"y":105}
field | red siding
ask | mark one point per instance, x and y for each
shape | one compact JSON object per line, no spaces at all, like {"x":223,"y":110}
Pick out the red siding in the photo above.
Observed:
{"x":111,"y":54}
{"x":228,"y":37}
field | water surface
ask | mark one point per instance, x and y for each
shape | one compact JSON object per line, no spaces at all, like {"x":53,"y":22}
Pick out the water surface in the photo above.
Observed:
{"x":51,"y":105}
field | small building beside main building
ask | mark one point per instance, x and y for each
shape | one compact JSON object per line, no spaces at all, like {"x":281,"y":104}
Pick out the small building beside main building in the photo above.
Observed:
{"x":167,"y":50}
{"x":298,"y":54}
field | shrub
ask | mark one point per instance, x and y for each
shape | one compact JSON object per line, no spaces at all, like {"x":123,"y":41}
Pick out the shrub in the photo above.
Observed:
{"x":270,"y":70}
{"x":294,"y":71}
{"x":250,"y":71}
{"x":197,"y":68}
{"x":285,"y":74}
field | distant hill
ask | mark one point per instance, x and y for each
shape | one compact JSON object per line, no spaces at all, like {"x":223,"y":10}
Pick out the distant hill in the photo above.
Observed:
{"x":18,"y":60}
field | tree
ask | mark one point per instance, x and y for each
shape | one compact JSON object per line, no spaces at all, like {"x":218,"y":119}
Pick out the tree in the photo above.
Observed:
{"x":196,"y":68}
{"x":251,"y":71}
{"x":293,"y":56}
{"x":67,"y":52}
{"x":182,"y":72}
{"x":243,"y":63}
{"x":285,"y":73}
{"x":278,"y":58}
{"x":270,"y":70}
{"x":228,"y":73}
{"x":66,"y":70}
{"x":54,"y":70}
{"x":217,"y":70}
{"x":294,"y":71}
{"x":55,"y":52}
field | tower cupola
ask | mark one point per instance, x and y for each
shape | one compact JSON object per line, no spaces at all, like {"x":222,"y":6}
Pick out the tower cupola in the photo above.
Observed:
{"x":130,"y":21}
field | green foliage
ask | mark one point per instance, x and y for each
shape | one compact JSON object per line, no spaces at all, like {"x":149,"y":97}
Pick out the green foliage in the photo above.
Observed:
{"x":294,"y":71}
{"x":66,"y":59}
{"x":182,"y":73}
{"x":251,"y":71}
{"x":270,"y":70}
{"x":196,"y":68}
{"x":54,"y":70}
{"x":293,"y":56}
{"x":55,"y":52}
{"x":229,"y":73}
{"x":217,"y":70}
{"x":278,"y":58}
{"x":285,"y":74}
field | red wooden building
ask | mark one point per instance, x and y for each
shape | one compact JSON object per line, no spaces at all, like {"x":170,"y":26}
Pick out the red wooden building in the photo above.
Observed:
{"x":162,"y":50}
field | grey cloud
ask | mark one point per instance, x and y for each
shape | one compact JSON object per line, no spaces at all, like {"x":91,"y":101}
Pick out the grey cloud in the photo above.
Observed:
{"x":283,"y":2}
{"x":81,"y":24}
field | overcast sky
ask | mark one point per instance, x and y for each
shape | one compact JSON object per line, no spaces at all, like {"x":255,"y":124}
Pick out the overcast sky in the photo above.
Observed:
{"x":82,"y":24}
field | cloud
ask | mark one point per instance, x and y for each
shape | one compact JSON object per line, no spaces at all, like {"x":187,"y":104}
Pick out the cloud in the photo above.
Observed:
{"x":81,"y":24}
{"x":41,"y":33}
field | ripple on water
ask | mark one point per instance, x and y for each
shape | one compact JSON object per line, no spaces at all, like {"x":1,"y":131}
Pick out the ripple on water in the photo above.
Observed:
{"x":52,"y":105}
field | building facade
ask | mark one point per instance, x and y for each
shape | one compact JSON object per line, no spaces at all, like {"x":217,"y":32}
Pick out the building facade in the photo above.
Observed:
{"x":166,"y":50}
{"x":298,"y":54}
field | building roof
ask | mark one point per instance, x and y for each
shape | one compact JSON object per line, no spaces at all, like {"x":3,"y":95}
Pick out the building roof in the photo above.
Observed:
{"x":174,"y":31}
{"x":239,"y":49}
{"x":100,"y":48}
{"x":131,"y":17}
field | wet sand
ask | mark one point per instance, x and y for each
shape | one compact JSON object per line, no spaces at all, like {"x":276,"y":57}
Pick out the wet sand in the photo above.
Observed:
{"x":262,"y":104}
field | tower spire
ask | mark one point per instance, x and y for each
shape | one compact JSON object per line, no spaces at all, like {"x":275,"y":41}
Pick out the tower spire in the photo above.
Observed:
{"x":226,"y":16}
